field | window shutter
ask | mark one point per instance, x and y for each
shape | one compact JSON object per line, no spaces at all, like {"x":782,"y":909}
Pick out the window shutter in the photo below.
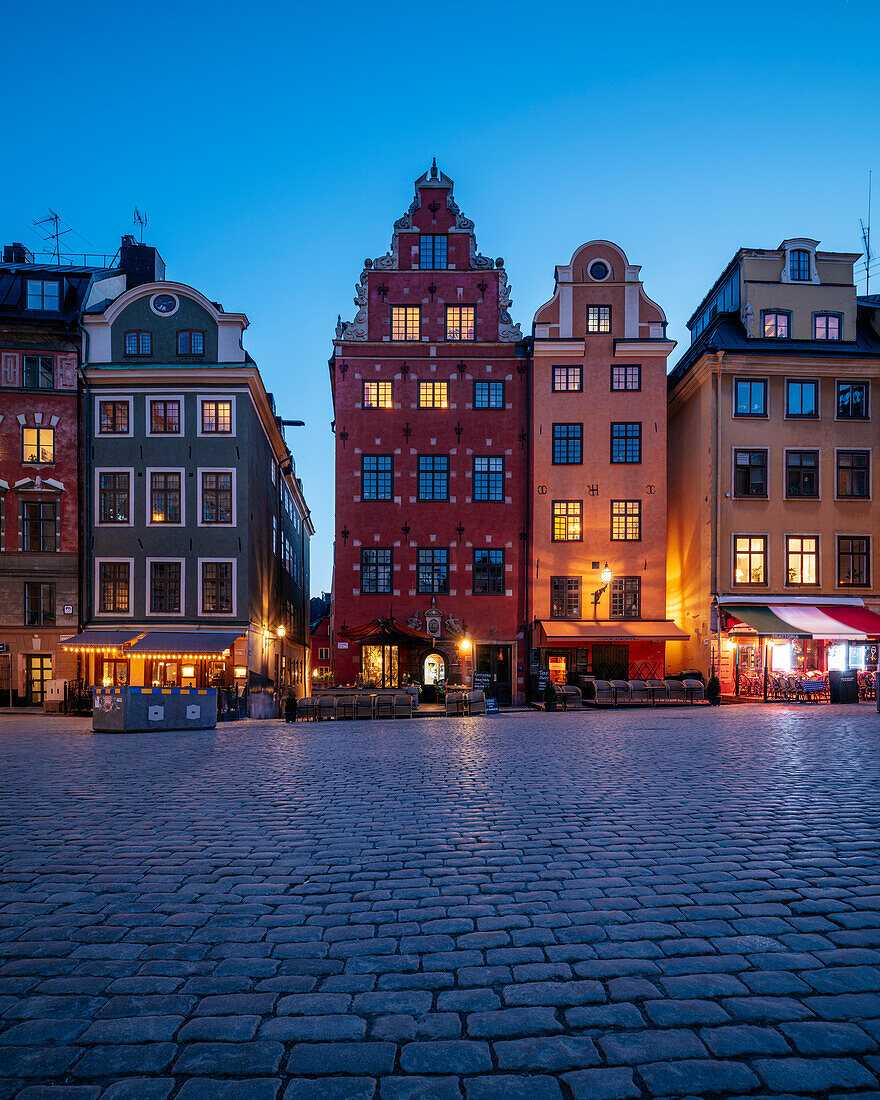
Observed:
{"x":9,"y":375}
{"x":65,"y":372}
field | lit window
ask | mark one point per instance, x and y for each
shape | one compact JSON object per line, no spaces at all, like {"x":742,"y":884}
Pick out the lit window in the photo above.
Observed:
{"x":567,"y":379}
{"x":38,"y":446}
{"x":165,"y":417}
{"x":626,"y":378}
{"x":488,"y":395}
{"x":801,"y":398}
{"x":852,"y":400}
{"x":567,"y":521}
{"x":568,"y":444}
{"x":376,"y":570}
{"x":43,"y":294}
{"x":598,"y":318}
{"x":433,"y":571}
{"x":113,"y":417}
{"x":376,"y":477}
{"x":750,"y":473}
{"x":751,"y":397}
{"x":776,"y":325}
{"x":799,"y":265}
{"x":433,"y":481}
{"x":190,"y":342}
{"x":488,"y":573}
{"x":853,"y":560}
{"x":433,"y":251}
{"x":626,"y":443}
{"x":433,"y":395}
{"x":216,"y":417}
{"x":852,"y":474}
{"x":459,"y":322}
{"x":626,"y":597}
{"x":39,"y":372}
{"x":750,"y":554}
{"x":114,"y":493}
{"x":801,"y":559}
{"x":165,"y":497}
{"x":565,"y":597}
{"x":216,"y":496}
{"x":113,"y":585}
{"x":139,"y":343}
{"x":216,"y":587}
{"x":165,"y":586}
{"x":488,"y":476}
{"x":626,"y":520}
{"x":826,"y":326}
{"x":378,"y":395}
{"x":406,"y":323}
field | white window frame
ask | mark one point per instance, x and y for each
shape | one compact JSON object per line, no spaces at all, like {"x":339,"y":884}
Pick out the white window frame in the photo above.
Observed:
{"x":119,"y":398}
{"x":736,"y":585}
{"x":148,"y":420}
{"x":218,"y":614}
{"x":114,"y":470}
{"x":216,"y":470}
{"x":113,"y":559}
{"x":148,"y":594}
{"x":786,"y":535}
{"x":200,"y":400}
{"x":148,"y":474}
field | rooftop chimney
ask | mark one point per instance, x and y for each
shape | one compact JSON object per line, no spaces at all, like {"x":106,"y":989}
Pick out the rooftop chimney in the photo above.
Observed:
{"x":140,"y":262}
{"x":16,"y":253}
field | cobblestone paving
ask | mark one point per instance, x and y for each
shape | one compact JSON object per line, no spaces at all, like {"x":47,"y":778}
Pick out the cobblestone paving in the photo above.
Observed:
{"x":615,"y":905}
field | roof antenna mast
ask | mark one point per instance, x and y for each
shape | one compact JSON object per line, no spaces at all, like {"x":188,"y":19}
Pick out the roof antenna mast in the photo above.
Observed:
{"x":866,"y":240}
{"x":140,"y":219}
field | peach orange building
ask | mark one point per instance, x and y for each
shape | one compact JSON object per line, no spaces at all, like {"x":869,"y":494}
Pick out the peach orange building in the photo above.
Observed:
{"x":597,"y":555}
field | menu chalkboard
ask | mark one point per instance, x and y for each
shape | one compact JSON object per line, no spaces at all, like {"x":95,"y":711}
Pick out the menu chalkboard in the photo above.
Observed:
{"x":492,"y":706}
{"x":543,"y":679}
{"x":483,"y":682}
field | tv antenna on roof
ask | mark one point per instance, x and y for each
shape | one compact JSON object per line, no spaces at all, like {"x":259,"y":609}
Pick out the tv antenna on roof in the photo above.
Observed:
{"x":141,"y":220}
{"x":866,"y":240}
{"x":52,"y":228}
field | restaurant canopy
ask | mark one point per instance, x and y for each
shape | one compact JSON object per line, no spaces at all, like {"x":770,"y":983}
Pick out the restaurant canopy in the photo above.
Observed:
{"x":830,"y":622}
{"x":612,"y":630}
{"x":99,"y":641}
{"x":185,"y":644}
{"x":387,"y":631}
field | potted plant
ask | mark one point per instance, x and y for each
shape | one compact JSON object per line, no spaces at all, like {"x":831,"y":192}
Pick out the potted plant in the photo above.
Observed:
{"x":713,"y":691}
{"x":290,"y":707}
{"x":550,"y":696}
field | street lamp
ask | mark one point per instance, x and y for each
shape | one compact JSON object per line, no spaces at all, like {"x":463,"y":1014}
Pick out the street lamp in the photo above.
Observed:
{"x":605,"y":575}
{"x":465,"y":645}
{"x":281,"y":631}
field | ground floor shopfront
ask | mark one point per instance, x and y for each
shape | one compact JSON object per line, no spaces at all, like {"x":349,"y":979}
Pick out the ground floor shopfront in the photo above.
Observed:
{"x":29,"y":659}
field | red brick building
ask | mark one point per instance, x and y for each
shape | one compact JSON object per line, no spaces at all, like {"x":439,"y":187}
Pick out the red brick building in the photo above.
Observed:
{"x":429,"y":388}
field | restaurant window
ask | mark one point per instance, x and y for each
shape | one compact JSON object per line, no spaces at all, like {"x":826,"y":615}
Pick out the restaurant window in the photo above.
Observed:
{"x":406,"y":323}
{"x":216,"y":587}
{"x":802,"y":473}
{"x":568,"y":444}
{"x":39,"y":372}
{"x":750,"y":559}
{"x":775,"y":325}
{"x":802,"y":559}
{"x":113,"y":417}
{"x":165,"y":497}
{"x":433,"y":395}
{"x":37,"y":446}
{"x":190,"y":342}
{"x":488,"y":395}
{"x":750,"y":396}
{"x":165,"y":587}
{"x":626,"y":378}
{"x":114,"y":494}
{"x":433,"y":571}
{"x":626,"y":443}
{"x":568,"y":379}
{"x":853,"y":565}
{"x":39,"y":525}
{"x":376,"y":570}
{"x":799,"y":265}
{"x":39,"y":604}
{"x":801,"y":398}
{"x":565,"y":597}
{"x":376,"y":477}
{"x":216,"y":418}
{"x":598,"y":318}
{"x":852,"y":400}
{"x":488,"y":573}
{"x":433,"y":251}
{"x":626,"y":520}
{"x":217,"y":496}
{"x":378,"y":395}
{"x":750,"y":473}
{"x":139,"y":343}
{"x":827,"y":326}
{"x":433,"y":481}
{"x":853,"y":481}
{"x":567,"y":525}
{"x":113,"y":586}
{"x":165,"y":418}
{"x":626,"y":597}
{"x":44,"y":294}
{"x":460,"y":323}
{"x":488,"y":474}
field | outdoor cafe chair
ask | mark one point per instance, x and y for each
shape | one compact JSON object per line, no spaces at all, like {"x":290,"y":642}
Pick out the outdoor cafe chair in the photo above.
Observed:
{"x":570,"y":697}
{"x":454,"y":703}
{"x":621,"y":692}
{"x":676,"y":690}
{"x":326,"y":707}
{"x":475,"y":702}
{"x":384,"y":706}
{"x":305,"y":709}
{"x":403,"y":705}
{"x":639,"y":692}
{"x":363,"y":706}
{"x":658,"y":690}
{"x":345,"y":706}
{"x":604,"y":693}
{"x":694,"y":691}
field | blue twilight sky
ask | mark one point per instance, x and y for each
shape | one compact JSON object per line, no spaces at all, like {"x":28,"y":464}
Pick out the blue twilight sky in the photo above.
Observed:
{"x":272,"y":146}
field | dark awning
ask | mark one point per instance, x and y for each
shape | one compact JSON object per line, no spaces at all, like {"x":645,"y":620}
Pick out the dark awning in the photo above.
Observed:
{"x":185,"y":643}
{"x":389,"y":630}
{"x":97,"y":641}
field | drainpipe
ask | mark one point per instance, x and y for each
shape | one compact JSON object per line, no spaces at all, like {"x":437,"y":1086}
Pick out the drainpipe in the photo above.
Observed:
{"x":716,"y":504}
{"x":526,"y":572}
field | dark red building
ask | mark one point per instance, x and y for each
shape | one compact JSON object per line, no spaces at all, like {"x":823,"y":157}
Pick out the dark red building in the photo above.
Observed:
{"x":429,"y":387}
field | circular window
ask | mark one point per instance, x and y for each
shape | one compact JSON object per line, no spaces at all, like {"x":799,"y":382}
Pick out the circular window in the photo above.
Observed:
{"x":163,"y":304}
{"x":599,"y":270}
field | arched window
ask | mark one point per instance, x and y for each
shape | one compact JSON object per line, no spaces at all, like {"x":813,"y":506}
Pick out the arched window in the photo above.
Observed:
{"x":799,"y":265}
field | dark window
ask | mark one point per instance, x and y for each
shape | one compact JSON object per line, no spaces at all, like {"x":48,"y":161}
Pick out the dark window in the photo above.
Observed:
{"x":433,"y":570}
{"x":37,"y":446}
{"x":376,"y":570}
{"x":39,"y":604}
{"x":776,"y":325}
{"x":626,"y":520}
{"x":801,"y":398}
{"x":433,"y":251}
{"x":799,"y":265}
{"x":378,"y":395}
{"x":190,"y":342}
{"x":852,"y":474}
{"x":626,"y":442}
{"x":598,"y":318}
{"x":568,"y":379}
{"x":751,"y":397}
{"x":165,"y":497}
{"x":165,"y":586}
{"x":488,"y":573}
{"x":488,"y":477}
{"x":750,"y":473}
{"x":460,"y":323}
{"x":39,"y":526}
{"x":853,"y":561}
{"x":376,"y":477}
{"x":165,"y":417}
{"x":626,"y":597}
{"x":567,"y":526}
{"x":113,"y":417}
{"x":39,"y":372}
{"x":216,"y":496}
{"x":802,"y":559}
{"x":852,"y":400}
{"x":626,"y":378}
{"x":113,"y":489}
{"x":433,"y":395}
{"x":43,"y":294}
{"x":827,"y":326}
{"x":139,"y":343}
{"x":433,"y":477}
{"x":216,"y":417}
{"x":406,"y":322}
{"x":217,"y":586}
{"x":568,"y":444}
{"x":565,"y":597}
{"x":113,"y":583}
{"x":750,"y":558}
{"x":488,"y":395}
{"x":802,"y":473}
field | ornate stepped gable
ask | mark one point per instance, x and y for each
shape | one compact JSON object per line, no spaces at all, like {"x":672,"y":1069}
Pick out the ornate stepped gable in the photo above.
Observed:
{"x":508,"y":332}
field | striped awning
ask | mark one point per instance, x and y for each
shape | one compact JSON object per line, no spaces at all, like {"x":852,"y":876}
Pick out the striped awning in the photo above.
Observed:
{"x":820,"y":621}
{"x":100,"y":641}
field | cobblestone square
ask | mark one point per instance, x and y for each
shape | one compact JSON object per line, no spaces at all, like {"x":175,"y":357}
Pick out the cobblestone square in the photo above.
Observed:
{"x":581,"y":905}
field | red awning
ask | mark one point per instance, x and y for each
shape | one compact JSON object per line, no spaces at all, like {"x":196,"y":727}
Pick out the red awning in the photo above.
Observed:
{"x":385,"y":630}
{"x":858,"y":618}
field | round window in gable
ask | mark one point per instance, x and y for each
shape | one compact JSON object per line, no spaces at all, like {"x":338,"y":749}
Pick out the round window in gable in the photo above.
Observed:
{"x":164,"y":304}
{"x":599,"y":271}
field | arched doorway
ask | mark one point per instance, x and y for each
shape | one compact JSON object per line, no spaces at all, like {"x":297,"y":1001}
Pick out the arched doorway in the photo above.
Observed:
{"x":433,"y":669}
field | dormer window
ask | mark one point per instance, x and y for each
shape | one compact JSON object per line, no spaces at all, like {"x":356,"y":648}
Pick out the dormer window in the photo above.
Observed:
{"x":139,"y":343}
{"x":43,"y":294}
{"x":826,"y":326}
{"x":775,"y":325}
{"x":433,"y":251}
{"x":799,"y":265}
